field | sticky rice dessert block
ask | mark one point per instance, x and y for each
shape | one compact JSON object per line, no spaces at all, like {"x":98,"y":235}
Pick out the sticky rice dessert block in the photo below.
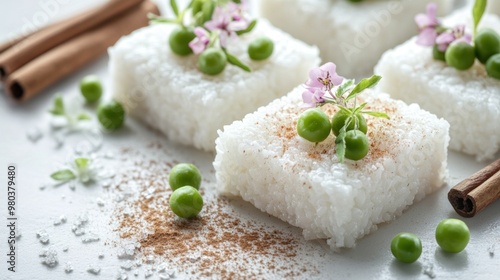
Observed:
{"x":170,"y":94}
{"x":262,"y":160}
{"x":354,"y":35}
{"x":469,"y":100}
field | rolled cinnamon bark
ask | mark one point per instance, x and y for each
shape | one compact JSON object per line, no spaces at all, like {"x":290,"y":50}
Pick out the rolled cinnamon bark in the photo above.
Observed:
{"x":48,"y":38}
{"x":72,"y":55}
{"x":473,"y":194}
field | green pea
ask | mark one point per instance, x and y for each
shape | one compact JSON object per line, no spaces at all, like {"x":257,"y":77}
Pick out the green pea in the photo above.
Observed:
{"x":196,"y":7}
{"x":212,"y":61}
{"x":437,"y":54}
{"x":452,"y":235}
{"x":207,"y":10}
{"x":460,"y":56}
{"x":406,"y":247}
{"x":493,"y":66}
{"x":261,"y":48}
{"x":487,"y":43}
{"x":184,"y":174}
{"x":179,"y":41}
{"x":314,"y":125}
{"x":91,"y":88}
{"x":111,"y":115}
{"x":356,"y":145}
{"x":340,"y":118}
{"x":186,"y":202}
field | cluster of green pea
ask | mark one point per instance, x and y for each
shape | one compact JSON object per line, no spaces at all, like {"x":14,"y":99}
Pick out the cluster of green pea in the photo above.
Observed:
{"x":185,"y":201}
{"x":452,"y":235}
{"x":462,"y":55}
{"x":111,"y":115}
{"x":213,"y":60}
{"x":314,"y":125}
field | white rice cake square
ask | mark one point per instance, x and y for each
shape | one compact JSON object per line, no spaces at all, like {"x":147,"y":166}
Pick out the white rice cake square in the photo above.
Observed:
{"x":354,"y":35}
{"x":170,"y":94}
{"x":262,"y":160}
{"x":469,"y":100}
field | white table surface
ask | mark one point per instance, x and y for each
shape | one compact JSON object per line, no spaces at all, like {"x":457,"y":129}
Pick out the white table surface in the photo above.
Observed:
{"x":37,"y":209}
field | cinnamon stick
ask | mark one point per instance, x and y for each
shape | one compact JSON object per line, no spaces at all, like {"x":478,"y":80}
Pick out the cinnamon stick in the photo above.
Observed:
{"x":473,"y":194}
{"x":48,"y":38}
{"x":72,"y":55}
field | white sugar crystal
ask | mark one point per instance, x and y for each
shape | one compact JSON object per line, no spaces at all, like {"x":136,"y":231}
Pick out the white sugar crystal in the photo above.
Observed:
{"x":100,"y":202}
{"x":109,"y":155}
{"x":68,"y":267}
{"x":162,"y":267}
{"x":127,"y":265}
{"x":150,"y":259}
{"x":94,"y":269}
{"x":122,"y":275}
{"x":61,"y":220}
{"x":72,"y":185}
{"x":136,"y":272}
{"x":170,"y":273}
{"x":148,"y":273}
{"x":42,"y":187}
{"x":429,"y":270}
{"x":49,"y":257}
{"x":491,"y":250}
{"x":101,"y":255}
{"x":18,"y":234}
{"x":65,"y":249}
{"x":34,"y":134}
{"x":90,"y":237}
{"x":43,"y":236}
{"x":163,"y":276}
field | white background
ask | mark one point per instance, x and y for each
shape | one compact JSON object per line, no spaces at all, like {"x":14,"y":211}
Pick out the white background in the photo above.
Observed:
{"x":371,"y":259}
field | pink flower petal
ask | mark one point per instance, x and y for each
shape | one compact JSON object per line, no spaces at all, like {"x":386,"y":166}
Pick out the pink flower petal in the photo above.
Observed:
{"x":427,"y":37}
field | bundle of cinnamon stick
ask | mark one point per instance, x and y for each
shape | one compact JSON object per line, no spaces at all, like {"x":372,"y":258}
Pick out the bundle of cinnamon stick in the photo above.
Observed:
{"x":32,"y":63}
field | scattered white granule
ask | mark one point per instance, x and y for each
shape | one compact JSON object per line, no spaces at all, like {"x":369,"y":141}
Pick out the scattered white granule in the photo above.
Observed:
{"x":61,"y":220}
{"x":43,"y":236}
{"x":94,"y":269}
{"x":34,"y":134}
{"x":68,"y":268}
{"x":49,"y":257}
{"x":90,"y":237}
{"x":128,"y":265}
{"x":100,"y":202}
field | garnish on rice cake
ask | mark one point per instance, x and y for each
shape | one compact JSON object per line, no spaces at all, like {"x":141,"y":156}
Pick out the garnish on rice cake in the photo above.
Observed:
{"x":264,"y":160}
{"x":452,"y":69}
{"x":207,"y":67}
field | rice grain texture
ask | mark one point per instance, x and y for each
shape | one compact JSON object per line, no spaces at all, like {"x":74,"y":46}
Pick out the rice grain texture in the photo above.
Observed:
{"x":262,"y":160}
{"x":353,"y":35}
{"x":469,"y":100}
{"x":170,"y":94}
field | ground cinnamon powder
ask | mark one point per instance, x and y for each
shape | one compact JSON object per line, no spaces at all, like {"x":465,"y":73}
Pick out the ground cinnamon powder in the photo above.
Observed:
{"x":219,"y":243}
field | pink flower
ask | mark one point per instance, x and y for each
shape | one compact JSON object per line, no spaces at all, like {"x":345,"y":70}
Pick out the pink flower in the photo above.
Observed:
{"x":227,"y":21}
{"x":451,"y":36}
{"x":324,"y":77}
{"x":200,"y":43}
{"x":427,"y":24}
{"x":313,"y":96}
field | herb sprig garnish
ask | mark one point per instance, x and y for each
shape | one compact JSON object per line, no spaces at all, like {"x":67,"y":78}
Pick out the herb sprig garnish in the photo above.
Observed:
{"x":455,"y":46}
{"x":212,"y":26}
{"x":325,"y":86}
